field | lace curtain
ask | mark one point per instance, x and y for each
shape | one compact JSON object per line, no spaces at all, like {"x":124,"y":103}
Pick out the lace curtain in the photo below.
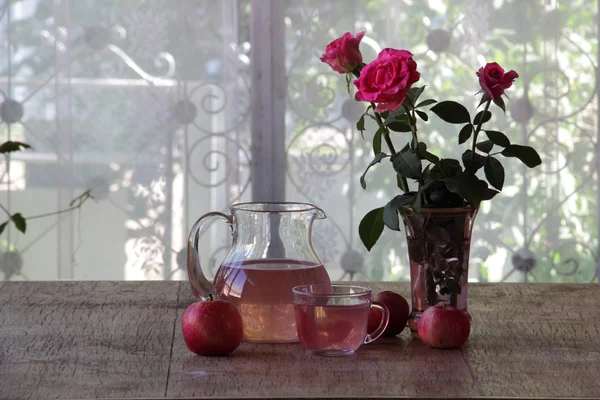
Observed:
{"x":149,"y":103}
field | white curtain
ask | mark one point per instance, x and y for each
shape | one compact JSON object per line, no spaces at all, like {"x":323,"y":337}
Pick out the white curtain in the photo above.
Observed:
{"x":149,"y":104}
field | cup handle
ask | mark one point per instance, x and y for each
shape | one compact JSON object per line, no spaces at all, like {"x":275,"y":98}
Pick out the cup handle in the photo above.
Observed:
{"x":382,"y":325}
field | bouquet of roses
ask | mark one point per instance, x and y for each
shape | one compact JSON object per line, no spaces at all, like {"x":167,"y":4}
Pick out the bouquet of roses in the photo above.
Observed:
{"x":388,"y":85}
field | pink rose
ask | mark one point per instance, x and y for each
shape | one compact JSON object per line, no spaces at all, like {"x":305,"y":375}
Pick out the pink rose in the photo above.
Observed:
{"x":387,"y":79}
{"x":494,"y":80}
{"x":342,"y":54}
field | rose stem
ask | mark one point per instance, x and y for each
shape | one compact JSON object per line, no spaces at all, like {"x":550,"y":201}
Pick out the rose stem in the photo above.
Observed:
{"x":453,"y":299}
{"x":386,"y":133}
{"x":413,"y":129}
{"x":413,"y":126}
{"x":386,"y":136}
{"x":478,"y":129}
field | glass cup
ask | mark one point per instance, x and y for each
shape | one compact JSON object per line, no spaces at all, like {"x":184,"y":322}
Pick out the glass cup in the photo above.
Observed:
{"x":332,"y":319}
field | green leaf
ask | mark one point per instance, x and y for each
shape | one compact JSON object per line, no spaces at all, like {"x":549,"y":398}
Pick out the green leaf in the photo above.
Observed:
{"x":484,"y":99}
{"x":10,"y":146}
{"x":412,"y":96}
{"x":482,"y":117}
{"x":390,"y":217}
{"x":425,"y":172}
{"x":414,"y":93}
{"x":468,"y":186}
{"x":402,"y":183}
{"x":465,"y":133}
{"x":376,"y":160}
{"x":390,"y":210}
{"x":423,"y":116}
{"x":399,"y":118}
{"x":446,"y":168}
{"x":489,"y":194}
{"x":370,"y":227}
{"x":473,"y":164}
{"x":403,"y":200}
{"x":498,"y":138}
{"x":425,"y":103}
{"x":432,"y":158}
{"x":494,"y":172}
{"x":79,"y":200}
{"x":526,"y":154}
{"x":418,"y":202}
{"x":3,"y":226}
{"x":408,"y":164}
{"x":396,"y":115}
{"x":19,"y":222}
{"x":485,"y":146}
{"x":360,"y":125}
{"x":499,"y":101}
{"x":399,"y":126}
{"x":452,"y":112}
{"x":450,"y":167}
{"x":425,"y":155}
{"x":377,"y":141}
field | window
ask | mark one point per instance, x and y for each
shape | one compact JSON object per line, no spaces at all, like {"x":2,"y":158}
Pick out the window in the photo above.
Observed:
{"x":160,"y":109}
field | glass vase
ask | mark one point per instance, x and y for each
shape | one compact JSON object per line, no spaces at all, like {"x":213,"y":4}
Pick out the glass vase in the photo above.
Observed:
{"x":439,"y":242}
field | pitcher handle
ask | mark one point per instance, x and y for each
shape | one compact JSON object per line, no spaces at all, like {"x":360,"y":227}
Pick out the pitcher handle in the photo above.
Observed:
{"x":201,"y":287}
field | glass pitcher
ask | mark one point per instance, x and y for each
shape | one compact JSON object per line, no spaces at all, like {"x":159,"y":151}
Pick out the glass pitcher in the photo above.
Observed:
{"x":271,"y":253}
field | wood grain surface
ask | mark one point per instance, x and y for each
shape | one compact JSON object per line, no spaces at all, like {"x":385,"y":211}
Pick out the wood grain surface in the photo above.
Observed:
{"x":85,"y":339}
{"x":123,"y":340}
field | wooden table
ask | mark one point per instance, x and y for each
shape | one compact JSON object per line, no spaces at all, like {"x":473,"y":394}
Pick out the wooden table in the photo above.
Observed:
{"x":123,"y":340}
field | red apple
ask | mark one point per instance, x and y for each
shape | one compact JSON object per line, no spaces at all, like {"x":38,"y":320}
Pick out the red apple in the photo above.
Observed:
{"x":212,"y":328}
{"x":399,"y":311}
{"x":444,"y":327}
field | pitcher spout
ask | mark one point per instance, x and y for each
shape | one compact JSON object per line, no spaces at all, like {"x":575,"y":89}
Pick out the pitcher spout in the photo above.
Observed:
{"x":319,"y":213}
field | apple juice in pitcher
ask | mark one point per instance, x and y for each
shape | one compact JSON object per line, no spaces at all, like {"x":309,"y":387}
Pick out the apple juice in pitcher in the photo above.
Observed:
{"x":268,"y":315}
{"x":271,"y":253}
